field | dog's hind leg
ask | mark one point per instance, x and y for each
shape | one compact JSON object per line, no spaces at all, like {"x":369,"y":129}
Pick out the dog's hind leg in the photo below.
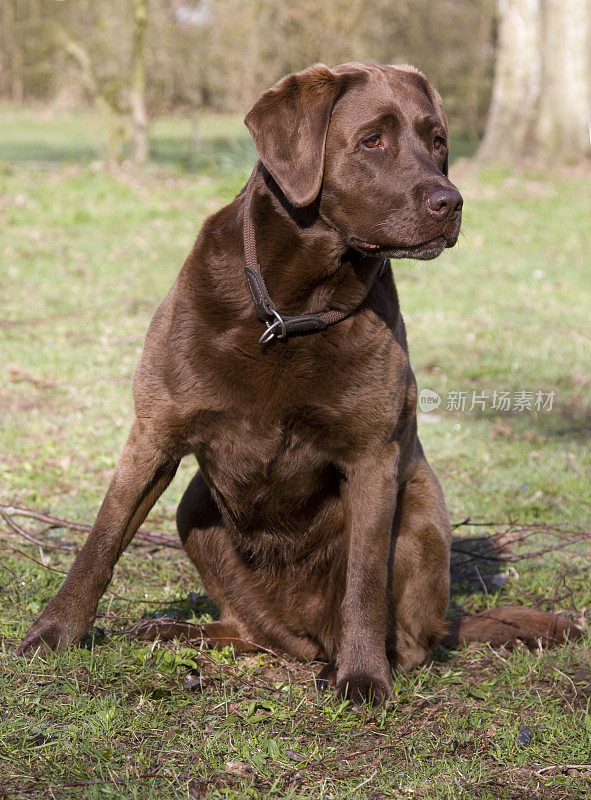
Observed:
{"x":419,"y":586}
{"x":203,"y":535}
{"x":249,"y":614}
{"x":214,"y":634}
{"x":198,"y":519}
{"x":419,"y":568}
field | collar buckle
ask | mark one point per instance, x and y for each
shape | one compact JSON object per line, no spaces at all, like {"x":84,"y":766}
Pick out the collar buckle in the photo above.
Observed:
{"x":271,"y":328}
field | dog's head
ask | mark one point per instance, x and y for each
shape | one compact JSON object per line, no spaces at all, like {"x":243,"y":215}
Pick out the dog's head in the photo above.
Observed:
{"x":371,"y":144}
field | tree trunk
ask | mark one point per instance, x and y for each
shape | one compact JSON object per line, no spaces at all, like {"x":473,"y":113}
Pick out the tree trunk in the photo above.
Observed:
{"x":517,"y":81}
{"x":563,"y":127}
{"x":138,"y":82}
{"x":17,"y":69}
{"x":7,"y":44}
{"x":115,"y":126}
{"x":541,"y":101}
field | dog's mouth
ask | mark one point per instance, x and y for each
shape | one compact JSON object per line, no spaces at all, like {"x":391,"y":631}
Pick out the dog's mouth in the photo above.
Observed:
{"x":423,"y":251}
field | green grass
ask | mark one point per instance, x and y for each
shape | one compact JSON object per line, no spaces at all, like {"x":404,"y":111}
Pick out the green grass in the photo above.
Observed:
{"x":85,"y":256}
{"x":206,"y":143}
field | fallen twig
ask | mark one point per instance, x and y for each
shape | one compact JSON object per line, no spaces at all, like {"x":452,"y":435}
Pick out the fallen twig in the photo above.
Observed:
{"x":26,"y":535}
{"x":562,"y":766}
{"x":35,"y":561}
{"x":494,"y":547}
{"x":74,"y":784}
{"x":155,"y":537}
{"x":512,"y":558}
{"x":164,"y":539}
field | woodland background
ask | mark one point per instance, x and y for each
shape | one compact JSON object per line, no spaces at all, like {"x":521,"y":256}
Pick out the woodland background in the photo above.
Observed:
{"x":136,"y":59}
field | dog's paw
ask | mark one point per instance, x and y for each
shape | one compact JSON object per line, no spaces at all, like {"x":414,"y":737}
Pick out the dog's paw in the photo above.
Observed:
{"x":49,"y":634}
{"x":363,"y":688}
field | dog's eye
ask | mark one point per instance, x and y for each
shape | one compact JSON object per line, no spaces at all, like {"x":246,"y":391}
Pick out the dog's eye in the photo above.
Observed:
{"x":374,"y":141}
{"x":439,"y":142}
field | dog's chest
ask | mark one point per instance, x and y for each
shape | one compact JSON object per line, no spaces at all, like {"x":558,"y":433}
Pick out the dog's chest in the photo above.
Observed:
{"x":262,"y":470}
{"x":275,"y":452}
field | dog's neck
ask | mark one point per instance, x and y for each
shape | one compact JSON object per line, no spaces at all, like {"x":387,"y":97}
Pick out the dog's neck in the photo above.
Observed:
{"x":304,"y":260}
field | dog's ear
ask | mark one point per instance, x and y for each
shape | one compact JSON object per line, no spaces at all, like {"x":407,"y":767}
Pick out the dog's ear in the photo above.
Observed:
{"x":289,"y":124}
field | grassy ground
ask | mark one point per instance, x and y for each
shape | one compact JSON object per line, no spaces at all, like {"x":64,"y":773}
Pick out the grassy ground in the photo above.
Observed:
{"x":85,"y":256}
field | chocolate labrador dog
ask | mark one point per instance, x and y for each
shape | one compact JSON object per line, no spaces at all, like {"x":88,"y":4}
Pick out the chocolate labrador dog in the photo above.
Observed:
{"x":279,"y":359}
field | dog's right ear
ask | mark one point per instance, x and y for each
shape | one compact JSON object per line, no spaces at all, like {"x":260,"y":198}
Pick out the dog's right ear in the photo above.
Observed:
{"x":289,"y":124}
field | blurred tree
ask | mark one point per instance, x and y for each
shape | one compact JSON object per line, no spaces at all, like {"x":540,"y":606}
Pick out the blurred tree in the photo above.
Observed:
{"x":541,"y":98}
{"x":11,"y":55}
{"x":564,"y":125}
{"x":223,"y":53}
{"x":116,"y":88}
{"x":104,"y":100}
{"x":252,"y":43}
{"x":137,"y":89}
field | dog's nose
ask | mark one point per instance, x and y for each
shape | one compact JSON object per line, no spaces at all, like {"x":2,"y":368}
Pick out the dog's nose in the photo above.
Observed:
{"x":443,"y":202}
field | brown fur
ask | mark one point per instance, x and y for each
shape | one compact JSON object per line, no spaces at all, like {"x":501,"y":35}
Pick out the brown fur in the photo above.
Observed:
{"x":315,"y":521}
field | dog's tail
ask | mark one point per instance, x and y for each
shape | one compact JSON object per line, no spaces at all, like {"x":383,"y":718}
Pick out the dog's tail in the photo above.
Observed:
{"x":508,"y":625}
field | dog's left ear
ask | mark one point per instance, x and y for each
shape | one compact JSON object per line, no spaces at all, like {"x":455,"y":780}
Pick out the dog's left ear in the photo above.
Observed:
{"x":289,"y":124}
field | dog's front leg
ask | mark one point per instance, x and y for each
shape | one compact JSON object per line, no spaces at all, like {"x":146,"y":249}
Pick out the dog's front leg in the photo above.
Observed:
{"x":369,"y":497}
{"x":142,"y":473}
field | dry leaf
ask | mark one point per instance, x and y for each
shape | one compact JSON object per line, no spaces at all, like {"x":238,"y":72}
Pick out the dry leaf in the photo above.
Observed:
{"x":239,"y":769}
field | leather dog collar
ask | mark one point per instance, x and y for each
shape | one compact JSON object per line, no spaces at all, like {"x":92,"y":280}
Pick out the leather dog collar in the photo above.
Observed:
{"x":280,"y":326}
